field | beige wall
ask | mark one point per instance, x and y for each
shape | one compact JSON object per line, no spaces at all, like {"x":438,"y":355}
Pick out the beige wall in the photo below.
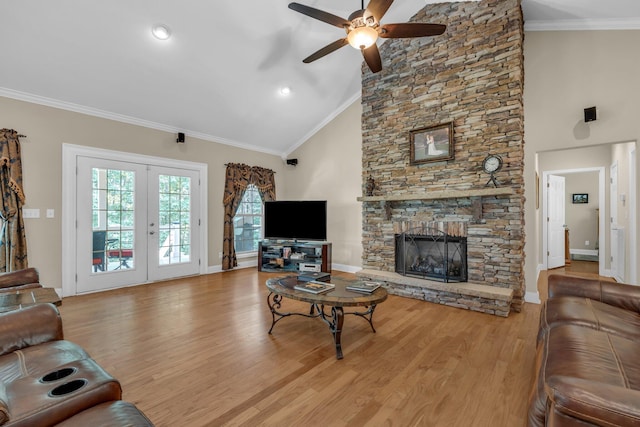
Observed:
{"x":48,"y":128}
{"x":566,"y":72}
{"x":330,"y":168}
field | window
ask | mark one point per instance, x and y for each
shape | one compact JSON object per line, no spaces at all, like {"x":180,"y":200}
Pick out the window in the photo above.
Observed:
{"x":247,"y":224}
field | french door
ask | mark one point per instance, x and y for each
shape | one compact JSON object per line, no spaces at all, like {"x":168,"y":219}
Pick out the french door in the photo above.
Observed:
{"x":135,"y":223}
{"x":173,"y":223}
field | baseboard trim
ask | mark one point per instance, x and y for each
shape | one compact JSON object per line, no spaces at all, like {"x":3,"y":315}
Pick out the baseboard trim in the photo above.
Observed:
{"x":589,"y":252}
{"x":346,"y":268}
{"x":244,"y":264}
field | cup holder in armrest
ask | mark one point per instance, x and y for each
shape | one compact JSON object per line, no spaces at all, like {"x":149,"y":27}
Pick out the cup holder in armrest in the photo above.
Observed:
{"x":66,"y":388}
{"x":57,"y":375}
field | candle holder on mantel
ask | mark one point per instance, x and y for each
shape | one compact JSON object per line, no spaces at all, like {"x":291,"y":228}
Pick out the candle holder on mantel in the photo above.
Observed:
{"x":371,"y":186}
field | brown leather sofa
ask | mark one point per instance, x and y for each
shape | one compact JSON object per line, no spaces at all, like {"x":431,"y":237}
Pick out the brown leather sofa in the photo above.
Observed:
{"x":20,"y":279}
{"x":588,"y":355}
{"x":46,"y":380}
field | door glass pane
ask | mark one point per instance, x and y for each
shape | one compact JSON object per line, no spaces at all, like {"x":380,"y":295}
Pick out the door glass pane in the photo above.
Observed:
{"x":174,"y":219}
{"x":113,"y":219}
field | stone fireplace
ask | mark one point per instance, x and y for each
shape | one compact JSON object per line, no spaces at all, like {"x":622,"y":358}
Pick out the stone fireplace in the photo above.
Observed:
{"x":472,"y":76}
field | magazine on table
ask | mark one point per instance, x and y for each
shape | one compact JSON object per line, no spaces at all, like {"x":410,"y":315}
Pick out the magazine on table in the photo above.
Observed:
{"x":314,"y":287}
{"x":366,"y":287}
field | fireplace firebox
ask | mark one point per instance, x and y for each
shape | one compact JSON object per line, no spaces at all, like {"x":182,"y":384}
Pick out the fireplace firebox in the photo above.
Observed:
{"x":435,"y":255}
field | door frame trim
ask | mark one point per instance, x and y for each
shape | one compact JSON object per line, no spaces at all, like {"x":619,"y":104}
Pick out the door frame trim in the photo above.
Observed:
{"x":601,"y":189}
{"x":70,"y":153}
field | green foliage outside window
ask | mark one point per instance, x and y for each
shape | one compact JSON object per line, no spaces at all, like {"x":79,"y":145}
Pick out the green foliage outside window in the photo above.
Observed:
{"x":247,"y":223}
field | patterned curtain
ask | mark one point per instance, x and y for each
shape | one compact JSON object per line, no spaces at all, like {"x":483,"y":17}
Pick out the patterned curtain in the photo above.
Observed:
{"x":13,"y":242}
{"x":238,"y":178}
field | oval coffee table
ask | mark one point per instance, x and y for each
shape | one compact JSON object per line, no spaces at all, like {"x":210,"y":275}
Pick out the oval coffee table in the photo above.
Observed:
{"x":337,"y":299}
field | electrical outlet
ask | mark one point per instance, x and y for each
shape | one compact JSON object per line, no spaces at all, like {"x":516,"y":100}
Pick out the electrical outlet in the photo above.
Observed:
{"x":586,"y":243}
{"x":220,"y":255}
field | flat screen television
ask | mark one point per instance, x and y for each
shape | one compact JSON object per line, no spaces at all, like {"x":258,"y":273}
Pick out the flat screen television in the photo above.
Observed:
{"x":295,"y":220}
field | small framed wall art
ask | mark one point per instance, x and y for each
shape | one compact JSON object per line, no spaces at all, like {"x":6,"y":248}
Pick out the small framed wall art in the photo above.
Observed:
{"x":432,"y":144}
{"x":580,"y":198}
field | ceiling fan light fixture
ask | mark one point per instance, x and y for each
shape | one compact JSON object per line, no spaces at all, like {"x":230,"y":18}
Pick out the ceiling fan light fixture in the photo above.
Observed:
{"x":161,"y":32}
{"x":285,"y":91}
{"x":362,"y":37}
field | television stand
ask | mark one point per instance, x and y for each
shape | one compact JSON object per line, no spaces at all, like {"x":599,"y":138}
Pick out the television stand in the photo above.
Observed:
{"x":294,"y":257}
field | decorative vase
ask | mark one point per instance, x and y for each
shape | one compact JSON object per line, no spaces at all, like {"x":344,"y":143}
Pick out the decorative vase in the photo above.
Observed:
{"x":371,"y":186}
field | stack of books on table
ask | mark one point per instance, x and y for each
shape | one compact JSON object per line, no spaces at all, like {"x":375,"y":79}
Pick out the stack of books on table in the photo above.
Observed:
{"x":364,"y":287}
{"x":309,"y":276}
{"x":314,"y":287}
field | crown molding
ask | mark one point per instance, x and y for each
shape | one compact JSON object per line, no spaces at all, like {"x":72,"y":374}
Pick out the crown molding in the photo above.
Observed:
{"x":76,"y":108}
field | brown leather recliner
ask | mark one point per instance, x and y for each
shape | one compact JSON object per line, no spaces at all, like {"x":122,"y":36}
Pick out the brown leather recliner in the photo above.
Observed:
{"x":587,"y":364}
{"x":45,"y":380}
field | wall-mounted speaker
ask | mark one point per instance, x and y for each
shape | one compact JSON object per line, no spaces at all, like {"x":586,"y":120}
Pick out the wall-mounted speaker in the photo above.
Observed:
{"x":180,"y":137}
{"x":292,"y":162}
{"x":589,"y":114}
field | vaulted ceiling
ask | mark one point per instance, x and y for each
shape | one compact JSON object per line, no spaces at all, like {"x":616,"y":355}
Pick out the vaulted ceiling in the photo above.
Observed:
{"x":220,"y":74}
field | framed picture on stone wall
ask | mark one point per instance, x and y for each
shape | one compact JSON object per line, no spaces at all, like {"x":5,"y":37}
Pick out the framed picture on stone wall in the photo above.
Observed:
{"x":432,"y":144}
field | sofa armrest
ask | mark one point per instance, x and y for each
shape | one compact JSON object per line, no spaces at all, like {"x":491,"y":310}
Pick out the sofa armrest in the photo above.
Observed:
{"x":27,"y":276}
{"x":4,"y":406}
{"x":612,"y":293}
{"x":594,"y":402}
{"x":29,"y":326}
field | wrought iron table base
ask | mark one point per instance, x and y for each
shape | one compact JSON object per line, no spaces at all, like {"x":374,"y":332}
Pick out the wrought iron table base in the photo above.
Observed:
{"x":335,"y":320}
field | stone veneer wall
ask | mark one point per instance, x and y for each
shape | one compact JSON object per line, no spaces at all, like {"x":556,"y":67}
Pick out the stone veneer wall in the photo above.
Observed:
{"x":473,"y":76}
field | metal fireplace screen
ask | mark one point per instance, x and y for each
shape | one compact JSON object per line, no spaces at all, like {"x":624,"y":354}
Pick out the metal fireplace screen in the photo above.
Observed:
{"x":436,"y":256}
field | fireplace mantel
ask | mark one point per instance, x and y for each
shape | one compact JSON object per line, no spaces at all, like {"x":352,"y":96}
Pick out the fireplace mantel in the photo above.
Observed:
{"x":474,"y":194}
{"x":442,"y":194}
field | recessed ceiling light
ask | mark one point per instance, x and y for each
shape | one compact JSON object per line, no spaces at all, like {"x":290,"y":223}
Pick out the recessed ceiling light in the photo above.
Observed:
{"x":161,"y":32}
{"x":285,"y":91}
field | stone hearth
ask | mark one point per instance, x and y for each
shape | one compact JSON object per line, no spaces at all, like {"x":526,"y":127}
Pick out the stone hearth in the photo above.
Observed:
{"x":471,"y":296}
{"x":472,"y":76}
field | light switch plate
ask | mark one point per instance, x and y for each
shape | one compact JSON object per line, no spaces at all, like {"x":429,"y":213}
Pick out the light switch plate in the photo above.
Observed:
{"x":50,"y":213}
{"x":31,"y":213}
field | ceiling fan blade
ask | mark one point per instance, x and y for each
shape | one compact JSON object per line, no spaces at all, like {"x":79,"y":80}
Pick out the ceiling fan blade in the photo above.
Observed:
{"x":378,"y":8}
{"x":372,"y":58}
{"x":320,"y":15}
{"x":408,"y":30}
{"x":326,"y":50}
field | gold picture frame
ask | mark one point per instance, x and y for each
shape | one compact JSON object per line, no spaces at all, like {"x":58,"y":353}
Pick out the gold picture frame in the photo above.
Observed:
{"x":432,"y":144}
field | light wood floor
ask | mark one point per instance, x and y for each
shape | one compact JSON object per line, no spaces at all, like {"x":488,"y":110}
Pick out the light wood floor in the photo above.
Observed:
{"x":195,"y":352}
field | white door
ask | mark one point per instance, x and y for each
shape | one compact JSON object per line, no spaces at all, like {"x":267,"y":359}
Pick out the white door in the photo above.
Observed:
{"x":613,"y":195}
{"x":616,"y":232}
{"x":173,"y":231}
{"x":555,"y":221}
{"x":617,"y":254}
{"x":633,"y":266}
{"x":135,"y":223}
{"x":110,"y":232}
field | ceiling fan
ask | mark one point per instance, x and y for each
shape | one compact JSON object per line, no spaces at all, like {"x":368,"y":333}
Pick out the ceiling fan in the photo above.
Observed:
{"x":363,"y":29}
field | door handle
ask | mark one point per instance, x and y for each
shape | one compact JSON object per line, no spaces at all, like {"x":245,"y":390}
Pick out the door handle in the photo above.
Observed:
{"x":152,"y":232}
{"x":151,"y":225}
